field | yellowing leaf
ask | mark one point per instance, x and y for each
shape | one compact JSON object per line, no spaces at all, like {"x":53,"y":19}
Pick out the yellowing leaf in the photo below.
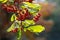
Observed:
{"x":36,"y":28}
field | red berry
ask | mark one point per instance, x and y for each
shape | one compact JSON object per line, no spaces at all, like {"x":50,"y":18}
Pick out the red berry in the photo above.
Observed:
{"x":36,"y":18}
{"x":38,"y":15}
{"x":17,"y":1}
{"x":22,"y":17}
{"x":14,"y":8}
{"x":26,"y":14}
{"x":4,"y":6}
{"x":15,"y":30}
{"x":9,"y":9}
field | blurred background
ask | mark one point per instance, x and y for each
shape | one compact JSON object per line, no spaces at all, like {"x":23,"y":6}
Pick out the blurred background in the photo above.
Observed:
{"x":50,"y":19}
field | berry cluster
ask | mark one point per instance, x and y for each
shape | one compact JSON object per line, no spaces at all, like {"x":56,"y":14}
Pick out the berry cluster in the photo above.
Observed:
{"x":23,"y":15}
{"x":9,"y":8}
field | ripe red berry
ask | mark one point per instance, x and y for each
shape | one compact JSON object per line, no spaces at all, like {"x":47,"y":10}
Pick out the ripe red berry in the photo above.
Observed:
{"x":9,"y":8}
{"x":36,"y":18}
{"x":4,"y":6}
{"x":21,"y":16}
{"x":38,"y":15}
{"x":15,"y":30}
{"x":14,"y":8}
{"x":27,"y":14}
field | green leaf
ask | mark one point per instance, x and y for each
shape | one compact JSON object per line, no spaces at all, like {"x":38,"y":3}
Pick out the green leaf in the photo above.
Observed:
{"x":11,"y":28}
{"x":27,"y":23}
{"x":16,"y":24}
{"x":19,"y":34}
{"x":3,"y":1}
{"x":13,"y":17}
{"x":36,"y":28}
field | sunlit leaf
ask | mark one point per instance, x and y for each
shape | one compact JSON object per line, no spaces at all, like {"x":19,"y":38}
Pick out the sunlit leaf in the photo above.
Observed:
{"x":32,"y":8}
{"x":36,"y":28}
{"x":27,"y":23}
{"x":3,"y":1}
{"x":11,"y":28}
{"x":16,"y":24}
{"x":13,"y":17}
